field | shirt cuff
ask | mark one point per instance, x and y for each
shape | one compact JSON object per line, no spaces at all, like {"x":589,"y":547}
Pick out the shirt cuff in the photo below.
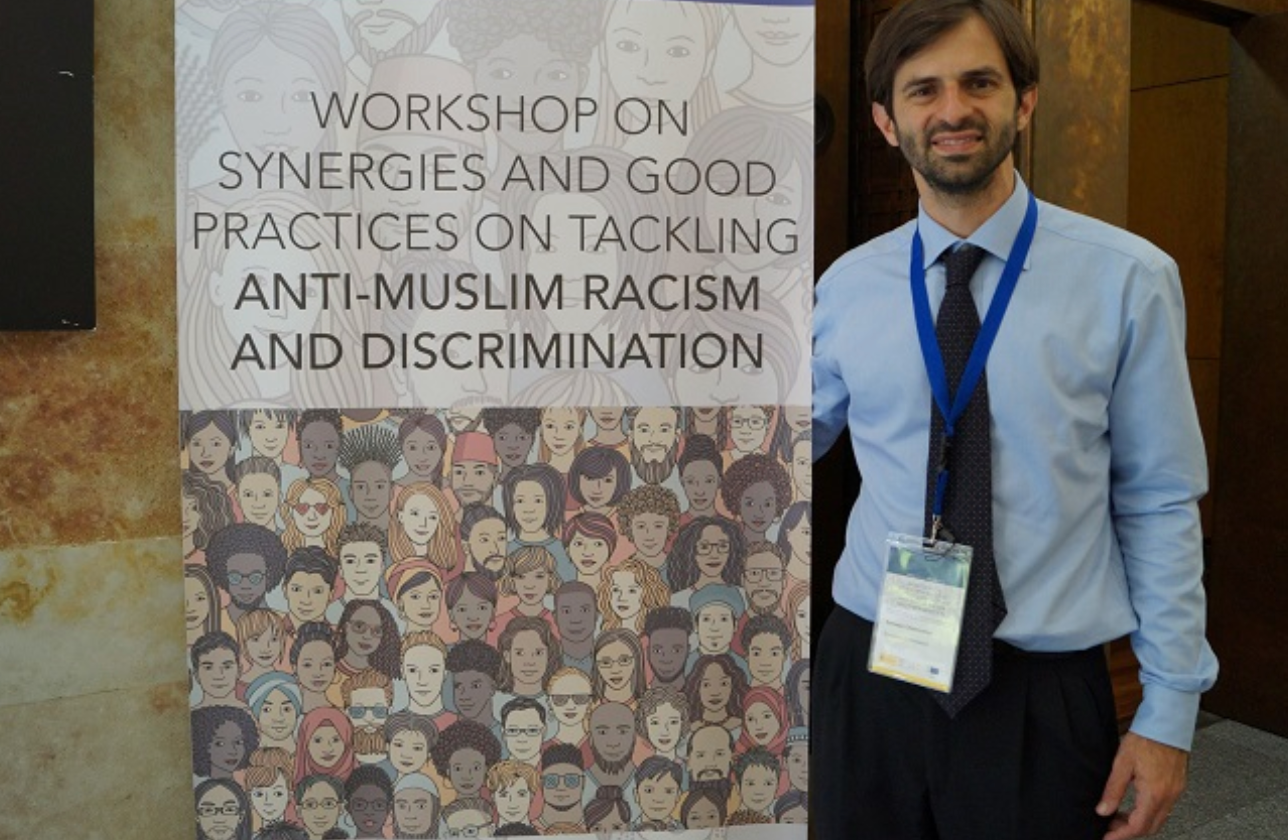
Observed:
{"x":1167,"y":716}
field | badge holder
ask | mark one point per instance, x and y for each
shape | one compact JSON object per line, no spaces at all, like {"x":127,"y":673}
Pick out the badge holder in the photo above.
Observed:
{"x":919,"y":614}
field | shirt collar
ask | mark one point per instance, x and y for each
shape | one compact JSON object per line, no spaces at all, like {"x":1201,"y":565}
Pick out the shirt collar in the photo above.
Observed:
{"x":996,"y":236}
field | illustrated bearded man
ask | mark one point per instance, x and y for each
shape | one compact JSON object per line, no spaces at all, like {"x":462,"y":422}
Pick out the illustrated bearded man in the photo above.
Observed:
{"x":655,"y":442}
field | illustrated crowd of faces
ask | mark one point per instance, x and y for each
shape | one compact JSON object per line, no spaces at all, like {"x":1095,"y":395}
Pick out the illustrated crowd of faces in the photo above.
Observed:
{"x":246,"y":73}
{"x":500,"y":622}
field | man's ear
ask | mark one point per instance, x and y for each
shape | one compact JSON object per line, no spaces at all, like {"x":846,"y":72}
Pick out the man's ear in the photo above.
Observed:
{"x":1024,"y":111}
{"x":885,"y":124}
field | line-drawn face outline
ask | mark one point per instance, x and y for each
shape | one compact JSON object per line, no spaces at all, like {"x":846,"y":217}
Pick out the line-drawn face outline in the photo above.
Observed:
{"x":778,"y":35}
{"x":227,"y":749}
{"x":422,"y":603}
{"x":472,"y":615}
{"x":315,"y":668}
{"x":270,"y":802}
{"x":217,"y":673}
{"x":325,"y":810}
{"x":319,"y":448}
{"x":655,"y":52}
{"x":266,"y":100}
{"x":371,"y":489}
{"x":361,"y":563}
{"x":268,"y":434}
{"x":414,"y":811}
{"x":259,"y":497}
{"x":569,"y":688}
{"x":277,"y":717}
{"x":209,"y":451}
{"x":307,"y":594}
{"x":318,"y":514}
{"x":219,"y":825}
{"x":424,"y":670}
{"x":383,"y":24}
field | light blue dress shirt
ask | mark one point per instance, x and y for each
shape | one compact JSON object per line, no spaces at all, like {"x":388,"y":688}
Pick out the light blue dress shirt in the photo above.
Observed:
{"x":1098,"y":462}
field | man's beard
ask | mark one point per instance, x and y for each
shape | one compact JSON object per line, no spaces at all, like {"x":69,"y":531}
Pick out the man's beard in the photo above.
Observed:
{"x":368,"y":742}
{"x":652,"y":472}
{"x":404,"y":834}
{"x":944,"y":176}
{"x":612,"y":768}
{"x":414,"y":42}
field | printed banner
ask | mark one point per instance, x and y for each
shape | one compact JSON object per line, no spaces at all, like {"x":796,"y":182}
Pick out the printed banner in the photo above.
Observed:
{"x":494,"y":402}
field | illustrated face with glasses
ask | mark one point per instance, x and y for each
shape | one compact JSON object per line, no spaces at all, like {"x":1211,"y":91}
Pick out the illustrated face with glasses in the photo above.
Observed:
{"x":312,"y":514}
{"x":748,"y":426}
{"x":561,"y":785}
{"x":712,"y":553}
{"x":369,"y":807}
{"x":247,"y":579}
{"x":524,"y":730}
{"x":469,"y":823}
{"x":616,"y":665}
{"x":219,"y":813}
{"x":363,"y":630}
{"x":762,"y":578}
{"x":320,"y":808}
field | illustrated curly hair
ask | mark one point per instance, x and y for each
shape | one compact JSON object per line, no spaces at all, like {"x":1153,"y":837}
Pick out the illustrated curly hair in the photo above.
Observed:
{"x":753,"y":469}
{"x":464,"y":734}
{"x":569,"y":27}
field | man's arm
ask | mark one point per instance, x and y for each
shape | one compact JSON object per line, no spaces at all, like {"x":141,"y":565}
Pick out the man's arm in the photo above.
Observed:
{"x":1158,"y":473}
{"x":831,"y":394}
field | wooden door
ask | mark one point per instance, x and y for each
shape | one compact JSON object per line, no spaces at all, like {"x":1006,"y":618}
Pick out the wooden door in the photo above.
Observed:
{"x":1248,"y":575}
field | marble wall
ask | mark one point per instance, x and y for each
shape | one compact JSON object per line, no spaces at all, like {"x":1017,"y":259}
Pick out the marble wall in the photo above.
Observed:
{"x":93,"y":687}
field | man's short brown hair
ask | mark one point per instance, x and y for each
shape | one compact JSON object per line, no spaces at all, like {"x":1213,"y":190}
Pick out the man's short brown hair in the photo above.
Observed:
{"x":916,"y":24}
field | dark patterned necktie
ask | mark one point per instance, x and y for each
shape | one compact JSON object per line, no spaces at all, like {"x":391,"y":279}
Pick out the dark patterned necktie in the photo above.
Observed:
{"x":968,"y":505}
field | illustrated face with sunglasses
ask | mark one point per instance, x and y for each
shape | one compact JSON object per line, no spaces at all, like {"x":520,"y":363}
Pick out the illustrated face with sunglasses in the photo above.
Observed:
{"x":312,"y":514}
{"x":561,"y":786}
{"x":363,"y":630}
{"x":368,"y":708}
{"x":570,"y":697}
{"x":247,"y":579}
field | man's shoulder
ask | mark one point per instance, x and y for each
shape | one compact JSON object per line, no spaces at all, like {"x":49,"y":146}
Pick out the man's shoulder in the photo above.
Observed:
{"x":1081,"y":232}
{"x":877,"y":251}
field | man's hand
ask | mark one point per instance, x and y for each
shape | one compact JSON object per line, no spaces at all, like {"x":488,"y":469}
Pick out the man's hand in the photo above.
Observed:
{"x":1156,"y":772}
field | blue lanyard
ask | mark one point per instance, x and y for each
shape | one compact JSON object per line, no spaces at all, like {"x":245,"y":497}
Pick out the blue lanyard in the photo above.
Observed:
{"x":952,"y":409}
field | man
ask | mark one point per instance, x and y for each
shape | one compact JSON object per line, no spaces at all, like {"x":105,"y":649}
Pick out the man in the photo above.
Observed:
{"x":710,"y":753}
{"x":475,"y":668}
{"x":1095,"y":459}
{"x":370,"y":454}
{"x":612,"y":742}
{"x":474,"y":469}
{"x":576,"y":614}
{"x":767,"y":641}
{"x":655,"y":441}
{"x":667,"y":631}
{"x":755,"y":777}
{"x":362,"y":562}
{"x":310,"y":576}
{"x":657,"y":789}
{"x":368,"y":696}
{"x":523,"y":722}
{"x":562,"y":777}
{"x":483,"y":534}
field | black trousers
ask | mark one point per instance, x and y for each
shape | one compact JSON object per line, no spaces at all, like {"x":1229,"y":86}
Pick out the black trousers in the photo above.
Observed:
{"x":1026,"y":760}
